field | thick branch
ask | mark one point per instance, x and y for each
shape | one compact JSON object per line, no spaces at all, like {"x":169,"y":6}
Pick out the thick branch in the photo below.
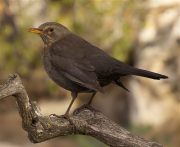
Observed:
{"x":41,"y":128}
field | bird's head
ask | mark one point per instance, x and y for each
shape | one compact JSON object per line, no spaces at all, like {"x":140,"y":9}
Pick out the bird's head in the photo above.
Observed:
{"x":50,"y":32}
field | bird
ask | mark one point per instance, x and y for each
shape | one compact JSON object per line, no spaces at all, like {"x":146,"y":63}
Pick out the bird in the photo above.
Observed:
{"x":80,"y":67}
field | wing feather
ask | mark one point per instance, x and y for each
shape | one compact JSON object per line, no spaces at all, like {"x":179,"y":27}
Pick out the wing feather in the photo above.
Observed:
{"x":78,"y":70}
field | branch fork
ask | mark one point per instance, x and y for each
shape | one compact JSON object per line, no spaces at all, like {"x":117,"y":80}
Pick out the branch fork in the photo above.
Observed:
{"x":41,"y":128}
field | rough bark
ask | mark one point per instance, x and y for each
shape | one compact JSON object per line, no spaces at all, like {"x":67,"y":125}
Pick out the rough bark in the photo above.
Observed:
{"x":41,"y":128}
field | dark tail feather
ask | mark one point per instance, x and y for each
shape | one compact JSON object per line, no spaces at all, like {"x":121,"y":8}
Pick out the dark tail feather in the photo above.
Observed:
{"x":118,"y":82}
{"x":145,"y":73}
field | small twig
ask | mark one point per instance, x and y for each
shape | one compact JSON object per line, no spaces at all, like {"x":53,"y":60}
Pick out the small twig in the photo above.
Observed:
{"x":41,"y":128}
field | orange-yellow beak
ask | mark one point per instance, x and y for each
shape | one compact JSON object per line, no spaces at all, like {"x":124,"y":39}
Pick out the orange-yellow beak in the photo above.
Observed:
{"x":34,"y":30}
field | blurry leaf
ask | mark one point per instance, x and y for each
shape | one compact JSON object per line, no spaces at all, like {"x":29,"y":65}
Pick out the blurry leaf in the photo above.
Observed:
{"x":8,"y":30}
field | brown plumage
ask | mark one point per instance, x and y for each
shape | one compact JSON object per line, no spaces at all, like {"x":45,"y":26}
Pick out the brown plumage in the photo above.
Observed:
{"x":78,"y":66}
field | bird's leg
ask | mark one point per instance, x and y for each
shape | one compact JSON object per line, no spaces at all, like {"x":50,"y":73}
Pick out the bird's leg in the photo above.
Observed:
{"x":66,"y":115}
{"x":87,"y":105}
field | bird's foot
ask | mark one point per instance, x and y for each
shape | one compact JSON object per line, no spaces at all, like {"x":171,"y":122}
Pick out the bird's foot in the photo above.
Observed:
{"x":65,"y":116}
{"x":85,"y":106}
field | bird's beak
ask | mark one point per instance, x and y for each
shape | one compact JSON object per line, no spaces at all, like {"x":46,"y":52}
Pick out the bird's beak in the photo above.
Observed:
{"x":34,"y":30}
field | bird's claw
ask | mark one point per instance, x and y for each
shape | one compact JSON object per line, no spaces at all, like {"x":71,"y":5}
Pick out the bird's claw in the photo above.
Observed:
{"x":85,"y":106}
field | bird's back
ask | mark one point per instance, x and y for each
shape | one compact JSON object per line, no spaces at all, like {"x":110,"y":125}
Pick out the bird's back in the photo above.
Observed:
{"x":106,"y":68}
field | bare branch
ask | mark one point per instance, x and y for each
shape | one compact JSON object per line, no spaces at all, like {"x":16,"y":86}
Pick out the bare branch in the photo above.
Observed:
{"x":41,"y":128}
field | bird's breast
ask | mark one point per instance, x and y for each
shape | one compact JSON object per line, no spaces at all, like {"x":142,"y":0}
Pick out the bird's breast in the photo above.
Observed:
{"x":46,"y":61}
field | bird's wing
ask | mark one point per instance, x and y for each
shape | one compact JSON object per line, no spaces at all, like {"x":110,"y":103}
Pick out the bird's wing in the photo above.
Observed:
{"x":77,"y":70}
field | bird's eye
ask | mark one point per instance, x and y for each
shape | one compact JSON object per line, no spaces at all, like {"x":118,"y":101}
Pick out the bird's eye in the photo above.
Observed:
{"x":51,"y":29}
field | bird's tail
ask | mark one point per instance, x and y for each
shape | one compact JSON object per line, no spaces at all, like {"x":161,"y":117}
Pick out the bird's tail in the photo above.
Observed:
{"x":124,"y":69}
{"x":145,"y":73}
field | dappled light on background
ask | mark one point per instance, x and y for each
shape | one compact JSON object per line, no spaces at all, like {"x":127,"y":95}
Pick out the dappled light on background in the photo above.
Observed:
{"x":144,"y":34}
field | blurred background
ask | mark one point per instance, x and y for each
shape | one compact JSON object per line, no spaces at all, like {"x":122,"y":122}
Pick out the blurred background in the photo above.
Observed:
{"x":144,"y":34}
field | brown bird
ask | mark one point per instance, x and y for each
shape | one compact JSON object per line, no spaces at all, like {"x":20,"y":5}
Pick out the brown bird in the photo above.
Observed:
{"x":78,"y":66}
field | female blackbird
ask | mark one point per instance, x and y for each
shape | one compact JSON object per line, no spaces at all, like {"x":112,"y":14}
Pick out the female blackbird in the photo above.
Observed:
{"x":78,"y":66}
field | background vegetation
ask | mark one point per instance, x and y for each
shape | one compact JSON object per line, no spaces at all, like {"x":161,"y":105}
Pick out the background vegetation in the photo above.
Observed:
{"x":114,"y":26}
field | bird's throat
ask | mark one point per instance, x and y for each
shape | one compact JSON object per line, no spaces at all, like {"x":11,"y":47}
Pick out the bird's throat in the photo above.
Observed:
{"x":46,"y":39}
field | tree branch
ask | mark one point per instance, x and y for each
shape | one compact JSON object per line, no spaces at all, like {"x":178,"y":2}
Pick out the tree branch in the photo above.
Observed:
{"x":41,"y":128}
